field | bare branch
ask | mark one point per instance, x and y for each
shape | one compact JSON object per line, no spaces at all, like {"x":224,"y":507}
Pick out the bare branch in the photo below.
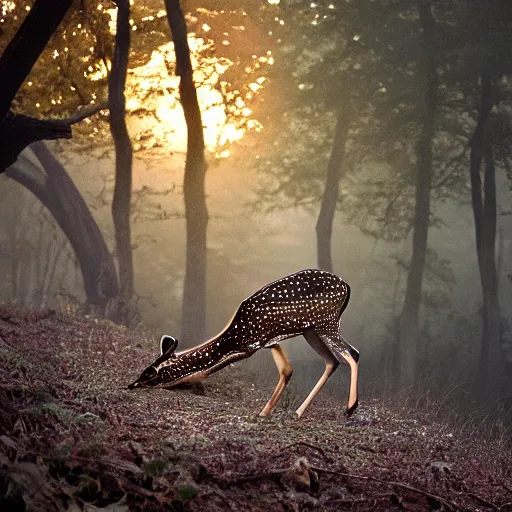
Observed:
{"x":85,"y":112}
{"x":447,"y":167}
{"x":17,"y":131}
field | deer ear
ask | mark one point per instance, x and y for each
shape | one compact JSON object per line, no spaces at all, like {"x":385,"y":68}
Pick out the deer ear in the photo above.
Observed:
{"x":168,"y":344}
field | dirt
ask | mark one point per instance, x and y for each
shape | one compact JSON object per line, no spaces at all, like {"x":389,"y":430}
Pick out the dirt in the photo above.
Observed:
{"x":72,"y":437}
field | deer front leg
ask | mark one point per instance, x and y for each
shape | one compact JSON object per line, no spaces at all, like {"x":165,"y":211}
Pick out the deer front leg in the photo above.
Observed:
{"x":352,"y":394}
{"x":285,"y":373}
{"x":331,"y":363}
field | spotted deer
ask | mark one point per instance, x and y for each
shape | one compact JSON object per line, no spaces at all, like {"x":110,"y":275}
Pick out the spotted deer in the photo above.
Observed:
{"x":309,"y":302}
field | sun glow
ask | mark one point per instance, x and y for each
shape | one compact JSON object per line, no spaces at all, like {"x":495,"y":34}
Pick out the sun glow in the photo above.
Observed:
{"x":156,"y":117}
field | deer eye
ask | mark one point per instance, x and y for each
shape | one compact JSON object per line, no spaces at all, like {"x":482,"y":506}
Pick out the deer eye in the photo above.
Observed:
{"x":149,"y":373}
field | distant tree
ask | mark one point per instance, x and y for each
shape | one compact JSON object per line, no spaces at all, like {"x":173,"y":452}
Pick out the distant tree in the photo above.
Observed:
{"x":54,"y":188}
{"x":487,"y":56}
{"x":196,"y":212}
{"x":483,"y":200}
{"x":335,"y":170}
{"x":123,"y":174}
{"x":427,"y":75}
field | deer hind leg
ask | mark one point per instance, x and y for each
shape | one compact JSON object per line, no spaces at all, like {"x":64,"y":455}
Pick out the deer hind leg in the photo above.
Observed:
{"x":331,"y":363}
{"x":285,"y":373}
{"x":346,"y":353}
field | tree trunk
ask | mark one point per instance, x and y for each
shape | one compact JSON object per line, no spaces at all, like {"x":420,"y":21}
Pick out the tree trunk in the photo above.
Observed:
{"x":59,"y":195}
{"x":335,"y":171}
{"x":409,"y":319}
{"x":491,"y":350}
{"x":196,"y":212}
{"x":484,"y":214}
{"x":123,"y":148}
{"x":24,"y":49}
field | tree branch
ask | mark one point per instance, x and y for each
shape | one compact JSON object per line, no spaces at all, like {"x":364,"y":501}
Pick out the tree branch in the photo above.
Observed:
{"x":85,"y":112}
{"x":447,"y":167}
{"x":17,"y":131}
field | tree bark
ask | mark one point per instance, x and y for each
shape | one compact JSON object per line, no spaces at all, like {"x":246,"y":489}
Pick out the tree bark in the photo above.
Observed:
{"x":484,"y":213}
{"x":335,"y":171}
{"x":24,"y":49}
{"x":59,"y":195}
{"x":123,"y":149}
{"x":409,"y":318}
{"x":196,"y":212}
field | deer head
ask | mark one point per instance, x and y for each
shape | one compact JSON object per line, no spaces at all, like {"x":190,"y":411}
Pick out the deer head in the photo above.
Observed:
{"x":159,"y":373}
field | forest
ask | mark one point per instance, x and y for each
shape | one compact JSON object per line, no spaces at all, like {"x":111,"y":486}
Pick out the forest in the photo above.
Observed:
{"x":160,"y":161}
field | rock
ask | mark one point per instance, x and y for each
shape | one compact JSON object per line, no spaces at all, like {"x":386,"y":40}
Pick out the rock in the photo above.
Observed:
{"x":87,"y":417}
{"x":298,"y":475}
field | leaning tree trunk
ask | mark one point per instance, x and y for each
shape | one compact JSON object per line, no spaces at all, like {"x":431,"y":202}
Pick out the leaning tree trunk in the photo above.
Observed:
{"x":123,"y":180}
{"x":58,"y":193}
{"x":18,"y":131}
{"x":335,"y":171}
{"x":24,"y":49}
{"x":484,"y":213}
{"x":196,"y":212}
{"x":409,"y":318}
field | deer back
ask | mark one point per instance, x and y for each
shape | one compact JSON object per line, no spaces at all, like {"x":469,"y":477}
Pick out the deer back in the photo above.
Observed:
{"x":287,"y":307}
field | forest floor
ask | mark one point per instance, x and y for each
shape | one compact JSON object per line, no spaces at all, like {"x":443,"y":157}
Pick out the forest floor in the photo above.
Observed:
{"x":72,"y":437}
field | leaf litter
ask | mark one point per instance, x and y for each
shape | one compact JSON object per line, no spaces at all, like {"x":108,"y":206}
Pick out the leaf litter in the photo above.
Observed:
{"x":73,"y":438}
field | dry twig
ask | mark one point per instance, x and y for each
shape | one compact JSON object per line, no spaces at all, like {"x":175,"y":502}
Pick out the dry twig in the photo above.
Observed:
{"x":304,"y":443}
{"x":449,"y":504}
{"x":483,"y":501}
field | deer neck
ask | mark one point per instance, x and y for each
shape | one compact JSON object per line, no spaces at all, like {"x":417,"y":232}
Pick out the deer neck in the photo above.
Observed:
{"x":199,"y":362}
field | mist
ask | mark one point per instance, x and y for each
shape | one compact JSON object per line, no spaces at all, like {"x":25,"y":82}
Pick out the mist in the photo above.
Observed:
{"x":368,"y":139}
{"x":167,"y":169}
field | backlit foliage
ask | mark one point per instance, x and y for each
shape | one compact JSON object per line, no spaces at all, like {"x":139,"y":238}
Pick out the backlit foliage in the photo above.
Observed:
{"x":73,"y":71}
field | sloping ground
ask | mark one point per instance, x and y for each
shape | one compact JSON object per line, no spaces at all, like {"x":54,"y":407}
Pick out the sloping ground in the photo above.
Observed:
{"x":73,"y":438}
